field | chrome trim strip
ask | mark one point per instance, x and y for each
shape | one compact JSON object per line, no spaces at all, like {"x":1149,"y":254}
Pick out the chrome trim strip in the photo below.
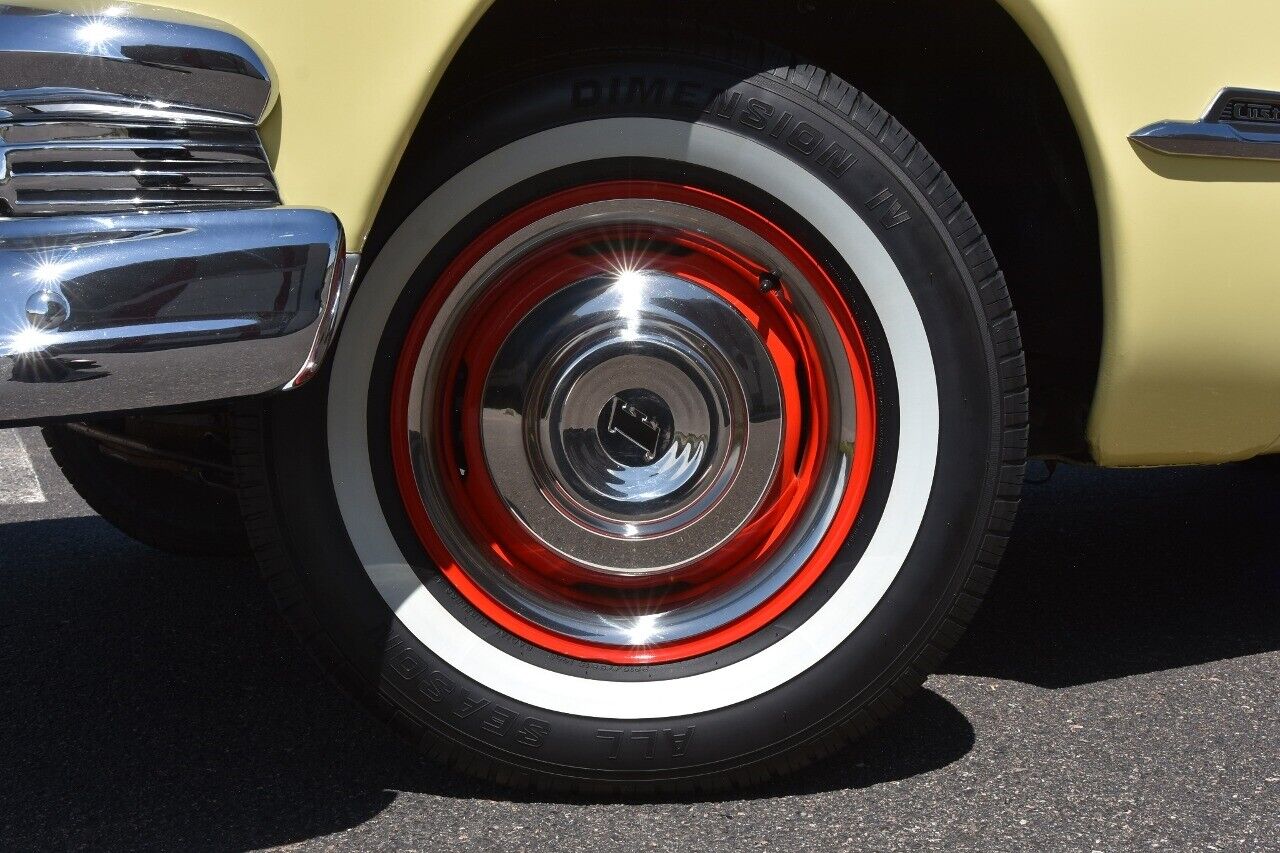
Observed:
{"x":335,"y":307}
{"x":129,"y":63}
{"x":1239,"y":124}
{"x":57,"y":168}
{"x":111,"y":313}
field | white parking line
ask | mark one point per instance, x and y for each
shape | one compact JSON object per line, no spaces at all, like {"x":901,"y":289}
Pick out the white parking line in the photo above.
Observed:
{"x":18,"y":481}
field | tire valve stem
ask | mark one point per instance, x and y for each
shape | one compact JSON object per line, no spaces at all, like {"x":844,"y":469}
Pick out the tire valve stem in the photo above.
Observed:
{"x":770,"y":282}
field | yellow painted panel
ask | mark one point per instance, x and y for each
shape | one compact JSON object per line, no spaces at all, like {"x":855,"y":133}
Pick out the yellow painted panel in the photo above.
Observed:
{"x":1191,"y":354}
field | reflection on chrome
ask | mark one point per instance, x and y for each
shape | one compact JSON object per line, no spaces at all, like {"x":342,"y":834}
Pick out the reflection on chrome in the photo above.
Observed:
{"x":121,"y":64}
{"x":95,"y":34}
{"x":642,"y":629}
{"x":29,"y":339}
{"x":1230,"y":129}
{"x":676,"y":353}
{"x":53,"y":168}
{"x":117,"y":111}
{"x":141,"y":244}
{"x":45,"y":368}
{"x":164,"y":308}
{"x":49,"y":272}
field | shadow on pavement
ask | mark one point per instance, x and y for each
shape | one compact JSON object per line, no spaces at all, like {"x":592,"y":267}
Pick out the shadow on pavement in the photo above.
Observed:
{"x":160,"y":702}
{"x":1116,"y":573}
{"x":153,"y":701}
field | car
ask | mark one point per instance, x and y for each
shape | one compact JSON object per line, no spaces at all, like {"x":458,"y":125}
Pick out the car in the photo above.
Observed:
{"x":630,"y":398}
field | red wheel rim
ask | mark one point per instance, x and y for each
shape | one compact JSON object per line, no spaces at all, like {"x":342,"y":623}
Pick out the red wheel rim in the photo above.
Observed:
{"x":816,"y":373}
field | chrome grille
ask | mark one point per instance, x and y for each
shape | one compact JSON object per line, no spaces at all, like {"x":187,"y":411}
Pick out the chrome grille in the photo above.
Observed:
{"x":51,"y":168}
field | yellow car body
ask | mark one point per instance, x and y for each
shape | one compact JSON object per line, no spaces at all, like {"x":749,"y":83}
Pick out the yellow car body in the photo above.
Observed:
{"x":1190,"y":360}
{"x":1190,"y":366}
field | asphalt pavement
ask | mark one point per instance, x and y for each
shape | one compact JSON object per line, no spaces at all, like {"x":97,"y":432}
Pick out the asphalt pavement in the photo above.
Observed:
{"x":1119,"y":691}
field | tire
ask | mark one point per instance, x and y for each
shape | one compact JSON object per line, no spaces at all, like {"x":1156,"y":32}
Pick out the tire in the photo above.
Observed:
{"x":170,"y":506}
{"x":384,"y":501}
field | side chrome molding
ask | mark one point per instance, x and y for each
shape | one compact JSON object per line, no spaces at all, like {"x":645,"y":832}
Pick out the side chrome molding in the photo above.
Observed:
{"x":1240,"y":124}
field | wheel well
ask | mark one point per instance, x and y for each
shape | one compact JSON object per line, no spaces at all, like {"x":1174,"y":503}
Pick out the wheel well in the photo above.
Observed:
{"x":962,"y":77}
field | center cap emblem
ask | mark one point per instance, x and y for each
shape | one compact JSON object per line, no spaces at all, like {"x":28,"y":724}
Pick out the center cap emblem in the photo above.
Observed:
{"x":635,"y":427}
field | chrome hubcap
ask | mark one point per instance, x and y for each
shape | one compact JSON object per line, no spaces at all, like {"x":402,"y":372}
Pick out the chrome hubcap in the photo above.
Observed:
{"x":624,"y":409}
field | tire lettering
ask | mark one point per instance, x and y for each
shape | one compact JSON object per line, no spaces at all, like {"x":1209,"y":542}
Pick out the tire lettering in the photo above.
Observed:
{"x":614,"y":736}
{"x":686,"y":96}
{"x":469,"y":705}
{"x":836,"y":159}
{"x":435,"y":687}
{"x":752,"y":113}
{"x":756,"y":115}
{"x":894,"y":214}
{"x":649,"y":737}
{"x":484,"y":717}
{"x":782,"y":125}
{"x":406,"y":664}
{"x":498,"y":721}
{"x":532,"y":732}
{"x":645,"y":743}
{"x":641,"y":93}
{"x":805,"y":138}
{"x":679,"y":740}
{"x":723,"y":106}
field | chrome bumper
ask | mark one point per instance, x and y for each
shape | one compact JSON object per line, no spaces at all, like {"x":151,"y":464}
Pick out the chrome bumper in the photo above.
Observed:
{"x":104,"y":314}
{"x":144,"y":260}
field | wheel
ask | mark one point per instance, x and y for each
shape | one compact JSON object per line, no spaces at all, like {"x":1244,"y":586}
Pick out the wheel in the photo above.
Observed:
{"x":165,"y":481}
{"x":669,"y":442}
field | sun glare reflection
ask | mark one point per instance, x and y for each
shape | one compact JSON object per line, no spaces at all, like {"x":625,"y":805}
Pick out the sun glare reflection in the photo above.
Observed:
{"x":643,"y":629}
{"x":96,"y":33}
{"x":49,"y":272}
{"x":624,"y":261}
{"x":630,"y":286}
{"x":29,"y":339}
